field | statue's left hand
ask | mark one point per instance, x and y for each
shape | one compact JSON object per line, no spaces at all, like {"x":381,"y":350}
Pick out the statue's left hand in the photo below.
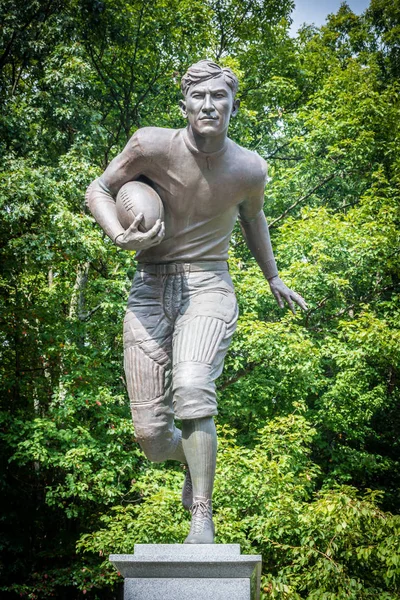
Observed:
{"x":282,"y":292}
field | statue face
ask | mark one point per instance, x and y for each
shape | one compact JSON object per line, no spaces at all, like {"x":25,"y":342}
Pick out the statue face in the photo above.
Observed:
{"x":208,"y":106}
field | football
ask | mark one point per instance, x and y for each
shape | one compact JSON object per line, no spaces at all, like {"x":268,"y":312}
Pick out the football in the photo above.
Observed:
{"x":137,"y":197}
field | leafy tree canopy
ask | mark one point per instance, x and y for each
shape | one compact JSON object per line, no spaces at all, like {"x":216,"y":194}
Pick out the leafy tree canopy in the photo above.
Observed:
{"x":308,"y":464}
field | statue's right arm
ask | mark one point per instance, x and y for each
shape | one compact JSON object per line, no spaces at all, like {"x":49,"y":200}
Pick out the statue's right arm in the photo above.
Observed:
{"x":101,"y":193}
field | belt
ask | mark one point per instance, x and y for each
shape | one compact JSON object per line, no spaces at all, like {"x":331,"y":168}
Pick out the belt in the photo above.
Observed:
{"x":175,"y":268}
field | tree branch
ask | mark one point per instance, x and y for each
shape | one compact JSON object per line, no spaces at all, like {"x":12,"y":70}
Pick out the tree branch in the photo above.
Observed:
{"x":241,"y":373}
{"x":278,"y":150}
{"x":302,"y":199}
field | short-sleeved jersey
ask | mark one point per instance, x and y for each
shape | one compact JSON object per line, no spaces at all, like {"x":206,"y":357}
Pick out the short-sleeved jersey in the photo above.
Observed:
{"x":202,"y":193}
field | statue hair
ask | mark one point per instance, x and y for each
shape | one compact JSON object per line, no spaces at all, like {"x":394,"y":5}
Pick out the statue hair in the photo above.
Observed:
{"x":204,"y":70}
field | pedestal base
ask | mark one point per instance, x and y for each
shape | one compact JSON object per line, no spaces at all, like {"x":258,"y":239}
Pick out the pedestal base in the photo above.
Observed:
{"x":189,"y":572}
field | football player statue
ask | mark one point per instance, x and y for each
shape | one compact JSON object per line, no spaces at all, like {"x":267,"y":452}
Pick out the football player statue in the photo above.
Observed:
{"x":182,"y":309}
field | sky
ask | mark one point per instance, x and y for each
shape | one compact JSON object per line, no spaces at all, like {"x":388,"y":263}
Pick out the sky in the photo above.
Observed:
{"x":316,"y":11}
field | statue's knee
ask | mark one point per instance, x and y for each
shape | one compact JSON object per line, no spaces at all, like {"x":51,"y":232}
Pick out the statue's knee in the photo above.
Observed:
{"x":154,"y":428}
{"x":155,"y":454}
{"x":192,"y":380}
{"x":156,"y":448}
{"x":191,"y":390}
{"x":194,"y":393}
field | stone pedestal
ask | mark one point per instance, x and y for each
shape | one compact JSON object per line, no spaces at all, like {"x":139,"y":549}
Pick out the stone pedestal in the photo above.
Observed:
{"x":189,"y":572}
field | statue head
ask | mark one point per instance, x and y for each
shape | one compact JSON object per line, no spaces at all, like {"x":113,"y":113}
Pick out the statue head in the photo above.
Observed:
{"x":209,"y":92}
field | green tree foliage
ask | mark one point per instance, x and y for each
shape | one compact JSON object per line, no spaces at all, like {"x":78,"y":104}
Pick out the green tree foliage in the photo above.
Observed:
{"x":308,"y":467}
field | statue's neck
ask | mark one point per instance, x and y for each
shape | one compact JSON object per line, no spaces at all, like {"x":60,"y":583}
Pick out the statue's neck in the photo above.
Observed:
{"x":207,"y":144}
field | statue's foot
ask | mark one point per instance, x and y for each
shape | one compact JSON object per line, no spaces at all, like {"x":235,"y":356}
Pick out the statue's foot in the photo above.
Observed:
{"x":202,"y":526}
{"x":187,"y":491}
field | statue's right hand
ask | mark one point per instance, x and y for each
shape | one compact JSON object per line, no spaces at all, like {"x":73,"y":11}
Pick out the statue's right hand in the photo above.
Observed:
{"x":133,"y":239}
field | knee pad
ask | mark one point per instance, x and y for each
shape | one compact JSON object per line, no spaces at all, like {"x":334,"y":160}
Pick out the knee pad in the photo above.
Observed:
{"x":194,"y":395}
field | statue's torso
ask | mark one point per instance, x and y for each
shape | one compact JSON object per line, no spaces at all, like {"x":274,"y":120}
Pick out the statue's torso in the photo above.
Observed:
{"x":201,"y":193}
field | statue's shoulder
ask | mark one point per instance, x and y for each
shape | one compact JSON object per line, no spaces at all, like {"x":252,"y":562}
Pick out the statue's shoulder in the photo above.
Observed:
{"x":153,"y":141}
{"x":250,"y":164}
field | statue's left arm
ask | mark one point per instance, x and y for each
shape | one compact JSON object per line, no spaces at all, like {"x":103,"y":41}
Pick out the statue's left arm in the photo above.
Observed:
{"x":256,"y":233}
